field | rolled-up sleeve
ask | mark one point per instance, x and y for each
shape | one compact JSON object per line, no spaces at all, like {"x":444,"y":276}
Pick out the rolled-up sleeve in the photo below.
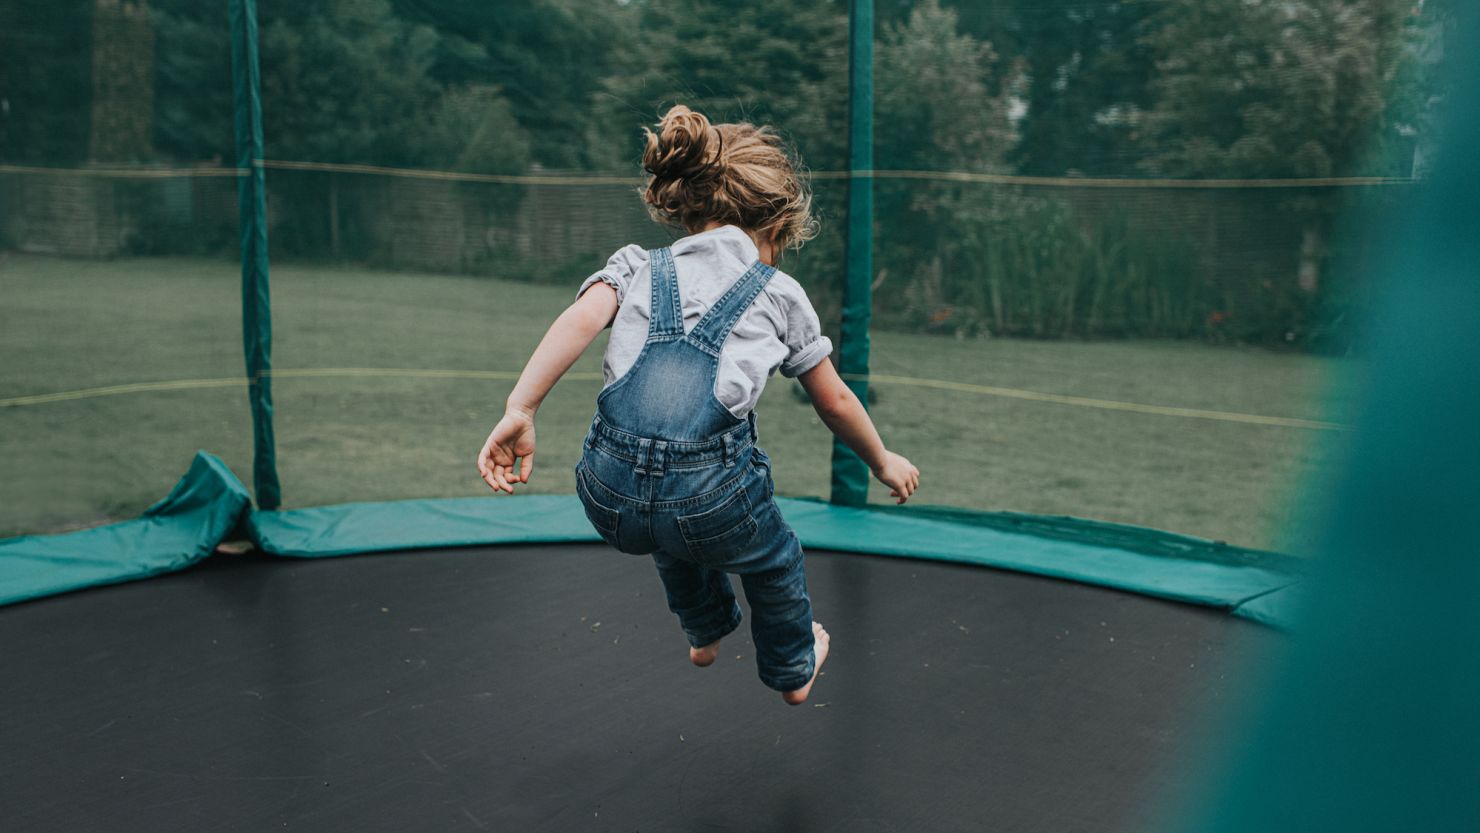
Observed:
{"x":806,"y":346}
{"x":619,"y":270}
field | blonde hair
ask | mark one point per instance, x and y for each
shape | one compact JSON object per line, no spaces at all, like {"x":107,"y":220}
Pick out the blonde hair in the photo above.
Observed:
{"x":727,"y":173}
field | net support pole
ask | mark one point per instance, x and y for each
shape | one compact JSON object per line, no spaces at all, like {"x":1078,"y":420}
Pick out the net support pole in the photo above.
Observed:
{"x":252,"y":201}
{"x":850,"y":475}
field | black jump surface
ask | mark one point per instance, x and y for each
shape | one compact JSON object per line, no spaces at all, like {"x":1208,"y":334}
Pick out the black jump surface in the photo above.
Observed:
{"x":547,"y":688}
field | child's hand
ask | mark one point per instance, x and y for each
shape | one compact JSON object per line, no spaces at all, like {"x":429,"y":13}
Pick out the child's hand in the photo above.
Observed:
{"x":512,"y":440}
{"x":899,"y":474}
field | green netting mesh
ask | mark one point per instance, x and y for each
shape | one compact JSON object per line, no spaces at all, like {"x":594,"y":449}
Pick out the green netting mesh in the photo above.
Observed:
{"x":120,"y":340}
{"x":1109,"y":274}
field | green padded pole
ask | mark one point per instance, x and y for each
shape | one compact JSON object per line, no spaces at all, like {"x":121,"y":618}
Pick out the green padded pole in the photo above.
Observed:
{"x":252,"y":200}
{"x":849,"y":474}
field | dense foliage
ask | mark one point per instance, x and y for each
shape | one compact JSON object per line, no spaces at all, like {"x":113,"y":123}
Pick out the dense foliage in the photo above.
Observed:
{"x":1249,"y":89}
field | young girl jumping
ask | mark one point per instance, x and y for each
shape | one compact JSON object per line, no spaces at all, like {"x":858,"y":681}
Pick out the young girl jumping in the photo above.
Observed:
{"x":670,"y":466}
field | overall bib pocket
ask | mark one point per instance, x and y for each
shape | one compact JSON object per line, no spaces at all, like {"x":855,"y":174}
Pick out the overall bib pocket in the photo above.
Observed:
{"x":719,"y":533}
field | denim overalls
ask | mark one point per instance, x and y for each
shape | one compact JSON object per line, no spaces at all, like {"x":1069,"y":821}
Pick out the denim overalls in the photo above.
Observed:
{"x":668,"y":471}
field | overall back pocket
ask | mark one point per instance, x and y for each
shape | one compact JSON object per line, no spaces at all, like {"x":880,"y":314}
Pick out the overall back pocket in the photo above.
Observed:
{"x":721,"y":532}
{"x":605,"y":519}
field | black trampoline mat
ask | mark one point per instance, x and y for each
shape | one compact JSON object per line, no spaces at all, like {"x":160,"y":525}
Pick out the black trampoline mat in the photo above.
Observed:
{"x":547,"y":688}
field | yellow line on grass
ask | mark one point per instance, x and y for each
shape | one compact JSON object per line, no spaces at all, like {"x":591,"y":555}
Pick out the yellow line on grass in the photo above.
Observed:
{"x":115,"y":390}
{"x":127,"y":172}
{"x":415,"y":373}
{"x":241,"y":382}
{"x":586,"y":376}
{"x":1104,"y":404}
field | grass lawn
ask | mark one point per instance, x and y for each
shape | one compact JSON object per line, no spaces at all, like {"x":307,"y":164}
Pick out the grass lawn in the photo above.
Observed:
{"x":69,"y":324}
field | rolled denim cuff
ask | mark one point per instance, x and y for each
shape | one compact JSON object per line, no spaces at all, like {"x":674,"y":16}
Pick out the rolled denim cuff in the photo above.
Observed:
{"x":790,"y":678}
{"x":708,"y":635}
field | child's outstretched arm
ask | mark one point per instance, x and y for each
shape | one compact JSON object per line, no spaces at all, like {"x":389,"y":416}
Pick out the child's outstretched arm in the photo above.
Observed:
{"x":512,"y":439}
{"x":844,"y":415}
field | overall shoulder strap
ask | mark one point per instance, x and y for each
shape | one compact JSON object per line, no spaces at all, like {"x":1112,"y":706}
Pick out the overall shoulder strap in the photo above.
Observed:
{"x":712,"y":330}
{"x":666,"y":320}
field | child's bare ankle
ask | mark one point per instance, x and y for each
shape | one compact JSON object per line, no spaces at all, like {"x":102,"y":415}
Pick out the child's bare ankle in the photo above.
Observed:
{"x":821,"y":641}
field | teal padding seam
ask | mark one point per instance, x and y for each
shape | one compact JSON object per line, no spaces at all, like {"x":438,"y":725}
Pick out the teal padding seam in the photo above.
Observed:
{"x":209,"y":503}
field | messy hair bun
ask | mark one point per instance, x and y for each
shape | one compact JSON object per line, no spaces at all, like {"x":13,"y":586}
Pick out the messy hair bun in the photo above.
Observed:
{"x":703,"y":173}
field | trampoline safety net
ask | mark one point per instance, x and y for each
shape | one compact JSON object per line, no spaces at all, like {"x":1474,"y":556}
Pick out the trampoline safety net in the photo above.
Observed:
{"x":1114,"y":268}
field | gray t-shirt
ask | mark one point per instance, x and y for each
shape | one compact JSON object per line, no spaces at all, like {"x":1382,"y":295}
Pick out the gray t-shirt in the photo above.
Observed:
{"x":779,"y":330}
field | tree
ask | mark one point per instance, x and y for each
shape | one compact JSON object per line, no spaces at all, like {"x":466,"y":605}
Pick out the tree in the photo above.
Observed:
{"x":193,"y":85}
{"x":344,"y":81}
{"x":936,"y":109}
{"x":45,"y":81}
{"x":471,"y":129}
{"x":769,"y":62}
{"x":1087,"y":80}
{"x":1264,"y":89}
{"x":547,"y":57}
{"x":1259,"y":89}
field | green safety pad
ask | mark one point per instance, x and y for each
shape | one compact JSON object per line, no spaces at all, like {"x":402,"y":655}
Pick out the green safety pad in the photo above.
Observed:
{"x":178,"y":531}
{"x":1194,"y":575}
{"x":209,"y":502}
{"x":882,"y":531}
{"x":352,"y":528}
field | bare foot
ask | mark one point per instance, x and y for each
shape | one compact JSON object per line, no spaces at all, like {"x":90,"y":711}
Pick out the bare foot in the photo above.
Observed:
{"x":820,"y":642}
{"x":704,"y":657}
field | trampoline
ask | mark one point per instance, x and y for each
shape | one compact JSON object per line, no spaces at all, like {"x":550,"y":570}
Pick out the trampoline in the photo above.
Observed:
{"x":1111,"y":302}
{"x":546,"y":688}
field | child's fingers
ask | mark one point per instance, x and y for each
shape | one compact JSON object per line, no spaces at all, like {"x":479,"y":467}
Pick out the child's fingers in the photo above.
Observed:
{"x":487,"y":468}
{"x":526,"y":467}
{"x":483,"y":470}
{"x":500,"y":475}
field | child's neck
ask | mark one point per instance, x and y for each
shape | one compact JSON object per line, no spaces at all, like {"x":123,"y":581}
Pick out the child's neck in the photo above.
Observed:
{"x":765,"y":248}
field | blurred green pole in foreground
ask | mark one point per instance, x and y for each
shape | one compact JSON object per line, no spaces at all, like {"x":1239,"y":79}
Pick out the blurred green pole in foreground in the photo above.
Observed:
{"x":252,"y":200}
{"x":849,"y":474}
{"x":1372,"y":722}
